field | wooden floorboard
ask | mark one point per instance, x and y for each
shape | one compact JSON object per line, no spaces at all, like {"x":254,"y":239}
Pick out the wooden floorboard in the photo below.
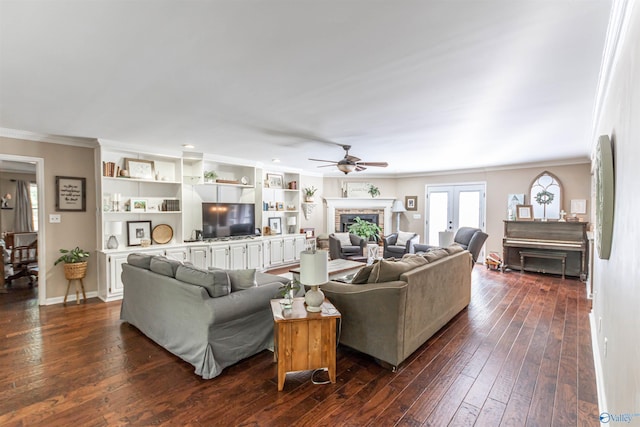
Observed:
{"x":520,"y":354}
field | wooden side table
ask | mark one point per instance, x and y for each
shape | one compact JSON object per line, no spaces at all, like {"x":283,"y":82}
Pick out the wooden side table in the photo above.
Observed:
{"x":304,"y":340}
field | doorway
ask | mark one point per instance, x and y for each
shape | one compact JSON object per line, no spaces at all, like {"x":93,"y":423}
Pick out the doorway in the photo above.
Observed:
{"x":449,"y":207}
{"x":12,"y":168}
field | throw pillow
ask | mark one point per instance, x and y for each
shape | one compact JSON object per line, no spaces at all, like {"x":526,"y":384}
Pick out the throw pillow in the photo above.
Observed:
{"x":362,"y":276}
{"x":344,"y":238}
{"x":242,"y":279}
{"x":403,"y":238}
{"x":216,"y":282}
{"x":435,"y":254}
{"x":164,"y":266}
{"x":387,"y":271}
{"x":140,"y":260}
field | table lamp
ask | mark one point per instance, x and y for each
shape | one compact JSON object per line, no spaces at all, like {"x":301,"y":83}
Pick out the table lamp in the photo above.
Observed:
{"x":291,"y":222}
{"x":398,"y":208}
{"x":314,"y":271}
{"x":113,"y":228}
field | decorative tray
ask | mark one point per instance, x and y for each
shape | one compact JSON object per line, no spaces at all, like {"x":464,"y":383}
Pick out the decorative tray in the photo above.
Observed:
{"x":162,"y":233}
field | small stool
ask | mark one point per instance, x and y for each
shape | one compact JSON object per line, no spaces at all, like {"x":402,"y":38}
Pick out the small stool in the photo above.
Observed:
{"x":84,"y":296}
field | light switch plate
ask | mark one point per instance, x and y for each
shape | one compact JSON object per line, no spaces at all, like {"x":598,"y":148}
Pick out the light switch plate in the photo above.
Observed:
{"x":55,"y":219}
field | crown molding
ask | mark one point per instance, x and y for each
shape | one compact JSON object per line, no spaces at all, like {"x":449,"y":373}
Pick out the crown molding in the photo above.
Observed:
{"x":55,"y":139}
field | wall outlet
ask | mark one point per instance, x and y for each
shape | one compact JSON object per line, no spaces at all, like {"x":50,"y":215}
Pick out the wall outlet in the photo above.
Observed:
{"x":55,"y":219}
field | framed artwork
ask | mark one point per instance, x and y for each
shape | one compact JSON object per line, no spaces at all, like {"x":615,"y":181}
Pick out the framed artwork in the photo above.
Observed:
{"x":308,"y":232}
{"x":137,"y":231}
{"x":274,"y":180}
{"x":524,"y":213}
{"x":411,"y":203}
{"x":358,"y":189}
{"x":138,"y":205}
{"x":514,"y":200}
{"x":579,"y":206}
{"x":141,"y":169}
{"x":275,"y":224}
{"x":279,"y":206}
{"x":71,"y":194}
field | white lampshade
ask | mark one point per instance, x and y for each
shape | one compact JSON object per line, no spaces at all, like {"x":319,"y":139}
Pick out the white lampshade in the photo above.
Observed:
{"x":113,"y":227}
{"x":398,"y":206}
{"x":314,"y":268}
{"x":291,"y":220}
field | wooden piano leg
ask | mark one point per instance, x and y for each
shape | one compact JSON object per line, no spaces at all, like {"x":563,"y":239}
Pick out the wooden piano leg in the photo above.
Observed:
{"x":521,"y":263}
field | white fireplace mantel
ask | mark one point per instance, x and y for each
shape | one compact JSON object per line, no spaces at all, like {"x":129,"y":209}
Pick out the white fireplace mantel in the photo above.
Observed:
{"x":334,"y":203}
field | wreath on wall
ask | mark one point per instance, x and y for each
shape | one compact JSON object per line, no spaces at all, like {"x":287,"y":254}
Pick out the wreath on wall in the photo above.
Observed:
{"x":544,"y":197}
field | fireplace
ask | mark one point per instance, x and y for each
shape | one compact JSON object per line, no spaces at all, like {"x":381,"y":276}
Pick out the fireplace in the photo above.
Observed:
{"x":347,"y":219}
{"x":338,"y":206}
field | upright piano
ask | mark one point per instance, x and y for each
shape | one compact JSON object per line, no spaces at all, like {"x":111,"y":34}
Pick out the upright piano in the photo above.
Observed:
{"x":546,"y":247}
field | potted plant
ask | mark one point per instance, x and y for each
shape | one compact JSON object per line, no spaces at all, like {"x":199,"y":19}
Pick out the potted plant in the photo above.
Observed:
{"x":309,"y":192}
{"x":365,"y":229}
{"x":373,"y":190}
{"x":75,"y":264}
{"x":210,"y":176}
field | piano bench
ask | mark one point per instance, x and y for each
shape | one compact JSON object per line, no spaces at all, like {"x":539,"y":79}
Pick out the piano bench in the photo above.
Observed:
{"x":562,"y":256}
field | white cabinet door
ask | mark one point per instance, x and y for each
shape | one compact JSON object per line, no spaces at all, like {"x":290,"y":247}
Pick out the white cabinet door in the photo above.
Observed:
{"x":238,"y":256}
{"x":179,"y":254}
{"x":198,"y":255}
{"x":254,"y":255}
{"x":288,"y":249}
{"x":276,"y":251}
{"x":115,"y":275}
{"x":220,"y":257}
{"x":299,"y":245}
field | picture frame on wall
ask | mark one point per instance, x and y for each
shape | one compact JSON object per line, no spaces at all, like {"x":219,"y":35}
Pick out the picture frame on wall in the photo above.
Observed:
{"x":71,"y":194}
{"x":274,"y":180}
{"x":524,"y":213}
{"x":137,"y":231}
{"x":140,"y":169}
{"x":275,"y":224}
{"x":411,"y":203}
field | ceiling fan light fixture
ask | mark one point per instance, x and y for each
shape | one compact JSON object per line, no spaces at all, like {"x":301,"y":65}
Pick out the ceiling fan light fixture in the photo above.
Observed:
{"x":346,"y":167}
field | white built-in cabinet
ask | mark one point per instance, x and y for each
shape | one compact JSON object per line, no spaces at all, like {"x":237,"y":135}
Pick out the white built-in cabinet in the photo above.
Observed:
{"x":171,"y":193}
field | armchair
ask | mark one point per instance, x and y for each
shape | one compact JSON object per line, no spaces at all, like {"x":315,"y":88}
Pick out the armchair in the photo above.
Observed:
{"x":398,"y":244}
{"x":344,"y":245}
{"x":469,"y":238}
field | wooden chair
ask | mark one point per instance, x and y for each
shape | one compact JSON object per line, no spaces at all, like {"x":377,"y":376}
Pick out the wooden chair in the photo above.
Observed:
{"x":24,"y":260}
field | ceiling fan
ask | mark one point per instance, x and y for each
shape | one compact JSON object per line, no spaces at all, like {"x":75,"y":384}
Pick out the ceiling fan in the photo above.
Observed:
{"x":350,"y":163}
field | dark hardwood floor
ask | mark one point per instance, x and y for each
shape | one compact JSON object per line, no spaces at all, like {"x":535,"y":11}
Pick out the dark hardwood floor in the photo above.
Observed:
{"x":520,"y":354}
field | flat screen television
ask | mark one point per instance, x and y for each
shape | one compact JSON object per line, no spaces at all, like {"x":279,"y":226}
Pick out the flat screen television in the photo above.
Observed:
{"x":228,"y":220}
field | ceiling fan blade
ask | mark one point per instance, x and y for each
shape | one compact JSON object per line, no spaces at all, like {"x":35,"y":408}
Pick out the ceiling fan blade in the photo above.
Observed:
{"x":360,"y":168}
{"x":320,"y":160}
{"x":326,"y":166}
{"x":377,"y":164}
{"x":352,"y":158}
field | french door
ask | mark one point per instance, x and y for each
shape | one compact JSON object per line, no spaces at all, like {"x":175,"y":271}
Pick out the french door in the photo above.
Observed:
{"x":450,"y":207}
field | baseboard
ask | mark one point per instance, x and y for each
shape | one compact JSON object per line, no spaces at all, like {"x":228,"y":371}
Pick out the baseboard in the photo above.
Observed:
{"x":597,"y":363}
{"x":70,"y":298}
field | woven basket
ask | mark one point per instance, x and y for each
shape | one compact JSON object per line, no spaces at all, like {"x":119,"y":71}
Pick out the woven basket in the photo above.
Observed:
{"x":75,"y":270}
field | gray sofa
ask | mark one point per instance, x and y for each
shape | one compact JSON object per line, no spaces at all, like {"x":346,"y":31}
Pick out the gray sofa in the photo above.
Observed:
{"x":210,"y":319}
{"x":389,"y":320}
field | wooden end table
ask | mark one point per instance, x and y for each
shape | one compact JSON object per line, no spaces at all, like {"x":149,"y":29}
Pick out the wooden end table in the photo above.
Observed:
{"x":304,"y":340}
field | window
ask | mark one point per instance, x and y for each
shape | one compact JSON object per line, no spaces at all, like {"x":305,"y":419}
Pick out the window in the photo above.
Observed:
{"x":546,"y":196}
{"x":33,"y":193}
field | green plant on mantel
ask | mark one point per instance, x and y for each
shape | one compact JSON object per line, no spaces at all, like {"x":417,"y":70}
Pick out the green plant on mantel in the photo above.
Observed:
{"x":373,"y":190}
{"x":72,"y":256}
{"x":309,"y":191}
{"x":210,"y":175}
{"x":365,"y":229}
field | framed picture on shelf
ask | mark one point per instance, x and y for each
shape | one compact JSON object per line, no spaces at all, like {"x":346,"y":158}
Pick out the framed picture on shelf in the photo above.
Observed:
{"x":71,"y":194}
{"x":308,"y":232}
{"x":524,"y":213}
{"x":411,"y":203}
{"x":138,"y":205}
{"x":279,"y":206}
{"x":138,"y":232}
{"x":275,"y":224}
{"x":140,"y":169}
{"x":274,"y":180}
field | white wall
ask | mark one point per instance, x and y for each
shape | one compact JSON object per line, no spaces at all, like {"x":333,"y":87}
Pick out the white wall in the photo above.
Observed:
{"x":617,"y":280}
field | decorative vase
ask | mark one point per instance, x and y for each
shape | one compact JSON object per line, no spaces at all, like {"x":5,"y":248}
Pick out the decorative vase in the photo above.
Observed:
{"x":287,"y":301}
{"x":308,"y":199}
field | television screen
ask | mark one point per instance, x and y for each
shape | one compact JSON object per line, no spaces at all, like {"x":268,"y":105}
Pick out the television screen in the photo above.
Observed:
{"x":227,"y":219}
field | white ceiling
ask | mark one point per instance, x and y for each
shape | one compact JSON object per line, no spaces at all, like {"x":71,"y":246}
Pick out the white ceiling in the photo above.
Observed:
{"x":424,"y":85}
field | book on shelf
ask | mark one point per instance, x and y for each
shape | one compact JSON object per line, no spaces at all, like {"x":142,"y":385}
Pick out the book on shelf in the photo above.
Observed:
{"x":110,"y":169}
{"x":171,"y":205}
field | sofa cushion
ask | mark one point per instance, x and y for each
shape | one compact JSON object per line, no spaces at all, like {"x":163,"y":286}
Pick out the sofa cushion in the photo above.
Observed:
{"x":344,"y":239}
{"x":454,"y":249}
{"x":140,"y":260}
{"x":216,"y":282}
{"x":403,"y":238}
{"x":388,"y":271}
{"x":164,"y":266}
{"x":242,"y":279}
{"x":435,"y":254}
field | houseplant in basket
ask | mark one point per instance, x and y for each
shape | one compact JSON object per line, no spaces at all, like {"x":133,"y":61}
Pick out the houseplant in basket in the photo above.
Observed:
{"x":75,"y":264}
